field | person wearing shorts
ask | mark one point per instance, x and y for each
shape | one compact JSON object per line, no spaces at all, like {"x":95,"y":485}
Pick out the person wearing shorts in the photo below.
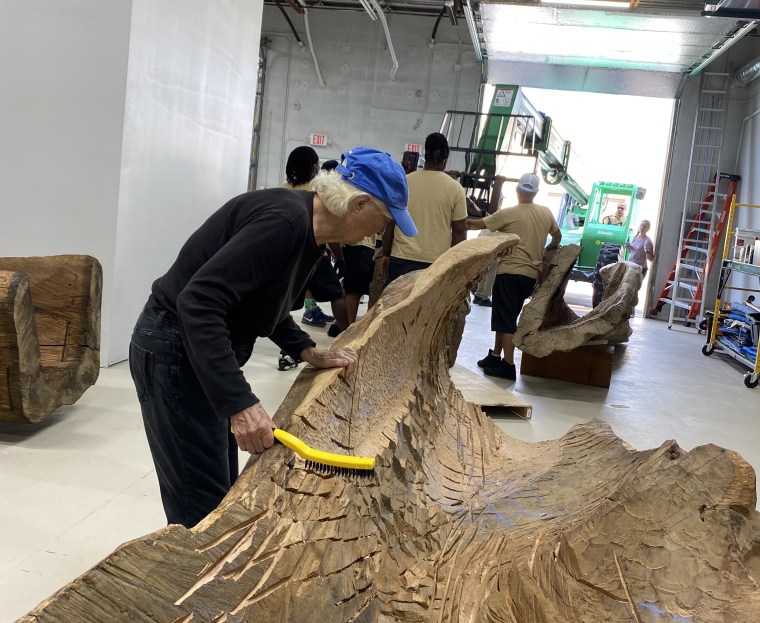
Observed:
{"x":357,"y":277}
{"x":516,"y":273}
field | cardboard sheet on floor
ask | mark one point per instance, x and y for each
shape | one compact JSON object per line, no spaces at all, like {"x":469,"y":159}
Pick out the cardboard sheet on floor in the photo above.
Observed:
{"x":493,"y":399}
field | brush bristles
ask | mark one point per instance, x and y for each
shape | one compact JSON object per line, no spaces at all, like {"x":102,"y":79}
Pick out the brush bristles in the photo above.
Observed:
{"x":321,"y":468}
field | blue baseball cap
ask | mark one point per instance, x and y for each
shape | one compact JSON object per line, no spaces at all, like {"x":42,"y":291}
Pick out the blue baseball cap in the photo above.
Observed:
{"x":378,"y":174}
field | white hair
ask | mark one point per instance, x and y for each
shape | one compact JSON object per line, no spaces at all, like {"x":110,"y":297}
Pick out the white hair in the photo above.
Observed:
{"x":337,"y":194}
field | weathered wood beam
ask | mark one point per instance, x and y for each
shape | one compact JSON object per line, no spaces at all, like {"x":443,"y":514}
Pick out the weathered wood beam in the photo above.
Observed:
{"x":49,"y":333}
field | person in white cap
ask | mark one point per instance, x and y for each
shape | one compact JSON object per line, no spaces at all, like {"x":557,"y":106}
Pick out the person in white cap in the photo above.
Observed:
{"x":516,"y":273}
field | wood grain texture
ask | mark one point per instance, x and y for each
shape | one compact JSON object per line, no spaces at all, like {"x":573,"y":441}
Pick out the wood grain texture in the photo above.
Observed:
{"x":548,"y":325}
{"x":49,"y":333}
{"x":460,"y":523}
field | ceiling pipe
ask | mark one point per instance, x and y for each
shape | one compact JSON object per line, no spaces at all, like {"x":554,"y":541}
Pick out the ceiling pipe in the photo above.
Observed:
{"x":449,"y":4}
{"x":295,"y":6}
{"x":370,"y":11}
{"x":311,"y":48}
{"x":747,"y":73}
{"x":437,"y":21}
{"x":290,"y":24}
{"x":381,"y":15}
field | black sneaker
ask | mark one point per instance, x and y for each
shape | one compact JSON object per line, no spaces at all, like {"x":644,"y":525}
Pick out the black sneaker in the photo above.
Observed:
{"x":334,"y":330}
{"x":490,"y":360}
{"x":504,"y":371}
{"x":483,"y":302}
{"x":286,"y":362}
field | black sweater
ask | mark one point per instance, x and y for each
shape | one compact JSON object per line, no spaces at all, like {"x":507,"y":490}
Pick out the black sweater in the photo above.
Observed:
{"x":235,"y":279}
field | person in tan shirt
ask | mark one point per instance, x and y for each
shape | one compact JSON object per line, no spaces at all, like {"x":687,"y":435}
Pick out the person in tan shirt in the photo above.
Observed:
{"x":437,"y":205}
{"x":516,"y":273}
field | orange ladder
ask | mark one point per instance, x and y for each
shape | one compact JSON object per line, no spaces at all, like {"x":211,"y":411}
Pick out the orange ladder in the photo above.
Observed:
{"x":699,"y":234}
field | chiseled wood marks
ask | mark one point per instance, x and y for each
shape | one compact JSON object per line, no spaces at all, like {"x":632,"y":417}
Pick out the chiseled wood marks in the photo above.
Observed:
{"x":49,"y":333}
{"x":460,"y":523}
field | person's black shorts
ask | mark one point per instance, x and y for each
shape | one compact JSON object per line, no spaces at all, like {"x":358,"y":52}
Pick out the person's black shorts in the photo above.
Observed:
{"x":398,"y":267}
{"x":360,"y":266}
{"x":324,"y":284}
{"x":509,"y":294}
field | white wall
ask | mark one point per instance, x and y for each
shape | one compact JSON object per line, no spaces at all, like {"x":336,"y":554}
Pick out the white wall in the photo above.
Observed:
{"x":748,"y":166}
{"x":63,"y":68}
{"x":187,"y":137}
{"x":747,"y":161}
{"x":359,"y":104}
{"x":124,"y":124}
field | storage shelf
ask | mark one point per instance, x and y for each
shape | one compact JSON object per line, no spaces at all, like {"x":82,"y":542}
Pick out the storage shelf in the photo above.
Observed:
{"x":718,"y":342}
{"x":727,"y":347}
{"x":741,"y":267}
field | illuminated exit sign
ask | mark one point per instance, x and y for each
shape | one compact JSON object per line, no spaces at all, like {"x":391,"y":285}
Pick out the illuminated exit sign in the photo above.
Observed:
{"x":318,"y":140}
{"x":413,"y":147}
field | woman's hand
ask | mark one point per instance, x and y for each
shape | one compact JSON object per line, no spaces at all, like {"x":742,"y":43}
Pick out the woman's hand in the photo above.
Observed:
{"x":334,"y":358}
{"x":253,"y":429}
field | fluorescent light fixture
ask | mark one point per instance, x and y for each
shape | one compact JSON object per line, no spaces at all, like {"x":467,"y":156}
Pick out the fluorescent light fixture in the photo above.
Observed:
{"x":470,"y":18}
{"x":596,"y":4}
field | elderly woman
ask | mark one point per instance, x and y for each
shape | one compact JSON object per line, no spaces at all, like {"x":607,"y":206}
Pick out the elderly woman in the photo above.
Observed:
{"x":234,"y":280}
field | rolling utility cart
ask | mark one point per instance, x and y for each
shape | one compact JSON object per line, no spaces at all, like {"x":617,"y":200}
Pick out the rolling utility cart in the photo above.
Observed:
{"x":734,"y":328}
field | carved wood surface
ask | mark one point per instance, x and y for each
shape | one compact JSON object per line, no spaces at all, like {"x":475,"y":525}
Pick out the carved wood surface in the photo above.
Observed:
{"x":460,"y":523}
{"x":49,"y":333}
{"x":548,"y":325}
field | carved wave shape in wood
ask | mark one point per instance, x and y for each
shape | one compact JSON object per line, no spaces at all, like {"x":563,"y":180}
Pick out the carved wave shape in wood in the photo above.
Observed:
{"x":461,"y":523}
{"x":548,"y":325}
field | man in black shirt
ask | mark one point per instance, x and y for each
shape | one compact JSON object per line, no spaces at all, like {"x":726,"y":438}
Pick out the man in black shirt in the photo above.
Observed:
{"x":235,"y":280}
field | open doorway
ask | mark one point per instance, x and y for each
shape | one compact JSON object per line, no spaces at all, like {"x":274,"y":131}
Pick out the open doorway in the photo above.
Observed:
{"x":614,"y":138}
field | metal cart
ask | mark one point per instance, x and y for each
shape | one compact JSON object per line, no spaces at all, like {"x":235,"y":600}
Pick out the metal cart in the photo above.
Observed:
{"x":717,"y":340}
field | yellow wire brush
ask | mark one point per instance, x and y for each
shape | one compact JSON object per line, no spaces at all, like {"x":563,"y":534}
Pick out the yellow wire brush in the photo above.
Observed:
{"x":325,"y":461}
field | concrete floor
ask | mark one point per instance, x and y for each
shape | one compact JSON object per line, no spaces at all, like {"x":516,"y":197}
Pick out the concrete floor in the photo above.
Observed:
{"x":81,"y":483}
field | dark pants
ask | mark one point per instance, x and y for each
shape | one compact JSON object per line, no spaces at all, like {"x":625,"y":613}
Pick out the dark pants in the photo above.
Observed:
{"x":194,"y":452}
{"x":400,"y":267}
{"x":509,"y":294}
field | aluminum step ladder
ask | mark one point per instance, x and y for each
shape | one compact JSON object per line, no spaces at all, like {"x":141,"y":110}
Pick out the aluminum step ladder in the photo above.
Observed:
{"x":694,"y":242}
{"x":699,"y":217}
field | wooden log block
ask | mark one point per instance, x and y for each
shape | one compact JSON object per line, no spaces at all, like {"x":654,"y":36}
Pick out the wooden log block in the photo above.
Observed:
{"x":587,"y":365}
{"x":459,"y":523}
{"x":49,"y":333}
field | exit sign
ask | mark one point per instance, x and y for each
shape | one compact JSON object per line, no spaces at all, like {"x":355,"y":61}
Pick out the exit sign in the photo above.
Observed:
{"x":318,"y":140}
{"x":413,"y":147}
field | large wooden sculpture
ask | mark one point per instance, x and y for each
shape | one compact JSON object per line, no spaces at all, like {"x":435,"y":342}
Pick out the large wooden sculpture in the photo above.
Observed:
{"x":459,"y":524}
{"x":49,"y":333}
{"x":548,"y":325}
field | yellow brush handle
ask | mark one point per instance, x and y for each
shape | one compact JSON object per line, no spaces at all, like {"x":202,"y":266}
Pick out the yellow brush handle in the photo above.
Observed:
{"x":318,"y":456}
